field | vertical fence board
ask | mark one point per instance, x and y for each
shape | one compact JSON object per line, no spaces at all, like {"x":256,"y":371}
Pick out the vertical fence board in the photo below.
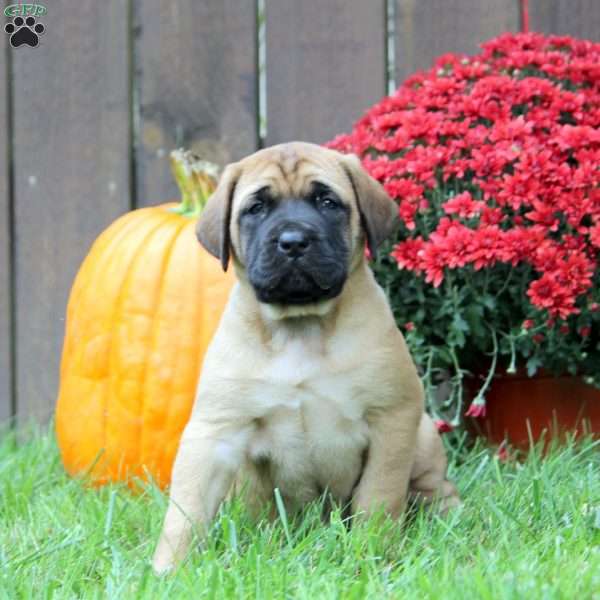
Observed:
{"x":196,"y":80}
{"x":424,"y":30}
{"x":325,"y":65}
{"x":71,"y":136}
{"x":5,"y":304}
{"x":579,"y":18}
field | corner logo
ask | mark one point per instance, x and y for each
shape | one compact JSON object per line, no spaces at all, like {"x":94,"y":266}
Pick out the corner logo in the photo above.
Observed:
{"x":25,"y":29}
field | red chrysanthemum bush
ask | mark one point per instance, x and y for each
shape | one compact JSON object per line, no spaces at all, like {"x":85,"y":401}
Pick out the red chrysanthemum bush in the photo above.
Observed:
{"x":494,"y":160}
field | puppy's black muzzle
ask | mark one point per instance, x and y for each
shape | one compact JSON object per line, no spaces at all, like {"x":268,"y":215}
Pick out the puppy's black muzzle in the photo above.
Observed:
{"x":295,"y":255}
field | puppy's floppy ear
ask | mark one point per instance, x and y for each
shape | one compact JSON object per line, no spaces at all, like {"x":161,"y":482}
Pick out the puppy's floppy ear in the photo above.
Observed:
{"x":212,"y":229}
{"x":378,"y":212}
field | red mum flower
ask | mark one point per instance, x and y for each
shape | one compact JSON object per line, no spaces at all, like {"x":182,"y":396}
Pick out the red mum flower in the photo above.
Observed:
{"x":407,"y":254}
{"x":594,"y":233}
{"x":476,"y":409}
{"x":543,"y":292}
{"x":443,"y":426}
{"x":463,"y":205}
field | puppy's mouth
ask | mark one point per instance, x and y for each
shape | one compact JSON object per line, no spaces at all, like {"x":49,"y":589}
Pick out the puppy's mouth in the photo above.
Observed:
{"x":296,"y":286}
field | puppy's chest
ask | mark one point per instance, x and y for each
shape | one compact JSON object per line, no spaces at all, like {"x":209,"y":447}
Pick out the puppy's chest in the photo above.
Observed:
{"x":311,"y":427}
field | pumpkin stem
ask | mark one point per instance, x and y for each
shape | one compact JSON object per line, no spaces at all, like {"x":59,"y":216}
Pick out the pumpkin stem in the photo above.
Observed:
{"x":196,"y":179}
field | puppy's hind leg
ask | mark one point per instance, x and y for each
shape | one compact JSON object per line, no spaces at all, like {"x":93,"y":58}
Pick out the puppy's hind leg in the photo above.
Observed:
{"x":428,"y":483}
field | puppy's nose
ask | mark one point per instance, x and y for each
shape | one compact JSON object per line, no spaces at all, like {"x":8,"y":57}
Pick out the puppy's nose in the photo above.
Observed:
{"x":293,"y":242}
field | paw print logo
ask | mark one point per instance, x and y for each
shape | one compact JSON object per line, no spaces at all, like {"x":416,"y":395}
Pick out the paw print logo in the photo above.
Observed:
{"x":24,"y":31}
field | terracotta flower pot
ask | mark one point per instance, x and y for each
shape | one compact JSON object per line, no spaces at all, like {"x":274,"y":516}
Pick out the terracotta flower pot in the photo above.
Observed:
{"x":516,"y":404}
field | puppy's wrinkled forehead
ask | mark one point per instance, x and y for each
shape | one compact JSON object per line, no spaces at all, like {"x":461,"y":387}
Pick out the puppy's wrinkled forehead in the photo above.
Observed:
{"x":290,"y":170}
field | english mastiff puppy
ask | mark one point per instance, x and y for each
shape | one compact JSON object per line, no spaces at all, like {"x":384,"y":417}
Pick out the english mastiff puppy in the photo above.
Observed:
{"x":308,"y":385}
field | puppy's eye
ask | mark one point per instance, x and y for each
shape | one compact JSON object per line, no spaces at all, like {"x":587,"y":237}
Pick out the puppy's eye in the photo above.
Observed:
{"x":256,"y":207}
{"x":259,"y":202}
{"x":326,"y":201}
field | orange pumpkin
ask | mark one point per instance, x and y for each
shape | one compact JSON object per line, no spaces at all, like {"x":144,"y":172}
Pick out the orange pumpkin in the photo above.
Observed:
{"x":142,"y":310}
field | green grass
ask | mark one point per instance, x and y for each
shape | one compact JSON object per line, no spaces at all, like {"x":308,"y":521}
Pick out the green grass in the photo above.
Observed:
{"x":527,"y":530}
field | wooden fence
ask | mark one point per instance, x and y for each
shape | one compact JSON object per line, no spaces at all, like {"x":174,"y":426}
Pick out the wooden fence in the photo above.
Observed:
{"x":88,"y":117}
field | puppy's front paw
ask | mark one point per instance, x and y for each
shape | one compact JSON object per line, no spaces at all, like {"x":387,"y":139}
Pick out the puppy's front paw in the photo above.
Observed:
{"x":164,"y":560}
{"x":162,"y":565}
